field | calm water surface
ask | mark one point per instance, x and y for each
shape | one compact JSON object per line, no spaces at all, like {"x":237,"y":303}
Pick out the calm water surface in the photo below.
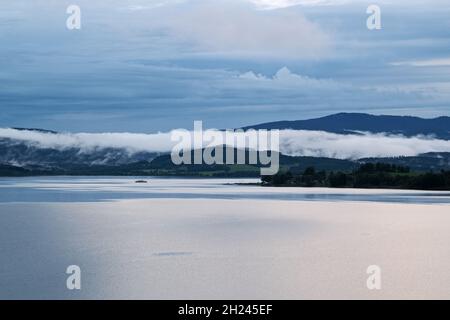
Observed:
{"x":89,"y":189}
{"x":213,"y":239}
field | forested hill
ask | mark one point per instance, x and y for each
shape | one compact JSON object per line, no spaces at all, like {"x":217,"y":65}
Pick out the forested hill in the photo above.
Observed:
{"x":345,"y":123}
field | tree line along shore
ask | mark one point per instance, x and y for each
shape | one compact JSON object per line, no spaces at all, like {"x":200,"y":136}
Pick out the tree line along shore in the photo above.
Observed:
{"x":367,"y":176}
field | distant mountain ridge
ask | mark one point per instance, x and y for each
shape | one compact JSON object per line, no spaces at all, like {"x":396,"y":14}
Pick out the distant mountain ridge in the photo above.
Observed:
{"x":346,"y":123}
{"x":35,"y":130}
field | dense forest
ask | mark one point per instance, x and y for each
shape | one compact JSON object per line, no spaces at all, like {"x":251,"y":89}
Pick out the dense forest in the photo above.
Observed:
{"x":370,"y":175}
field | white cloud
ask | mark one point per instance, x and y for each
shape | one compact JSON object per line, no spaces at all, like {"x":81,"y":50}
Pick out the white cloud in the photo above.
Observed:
{"x":444,"y":62}
{"x":277,"y":4}
{"x":231,"y":27}
{"x":285,"y":78}
{"x":324,"y":144}
{"x":152,"y":4}
{"x":260,"y":4}
{"x":132,"y":142}
{"x":292,"y":142}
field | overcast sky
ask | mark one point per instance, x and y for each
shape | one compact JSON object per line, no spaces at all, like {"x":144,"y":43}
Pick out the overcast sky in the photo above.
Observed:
{"x":151,"y":65}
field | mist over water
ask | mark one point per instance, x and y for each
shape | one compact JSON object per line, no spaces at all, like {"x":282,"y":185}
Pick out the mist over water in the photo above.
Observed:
{"x":292,"y":142}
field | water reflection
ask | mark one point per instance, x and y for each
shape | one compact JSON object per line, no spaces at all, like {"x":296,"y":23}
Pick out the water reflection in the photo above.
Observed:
{"x":103,"y":189}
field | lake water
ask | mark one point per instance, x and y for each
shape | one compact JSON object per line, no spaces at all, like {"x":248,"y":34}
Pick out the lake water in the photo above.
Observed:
{"x":88,"y":189}
{"x":213,"y":239}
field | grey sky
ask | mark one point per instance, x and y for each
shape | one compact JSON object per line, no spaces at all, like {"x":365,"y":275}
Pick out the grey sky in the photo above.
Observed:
{"x":145,"y":66}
